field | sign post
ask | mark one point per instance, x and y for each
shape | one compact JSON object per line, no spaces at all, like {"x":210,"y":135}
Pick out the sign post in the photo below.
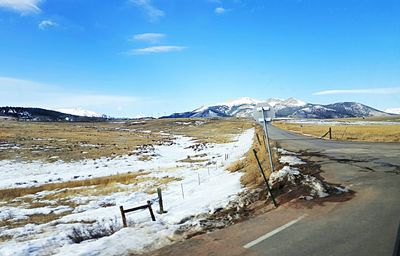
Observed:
{"x":264,"y":113}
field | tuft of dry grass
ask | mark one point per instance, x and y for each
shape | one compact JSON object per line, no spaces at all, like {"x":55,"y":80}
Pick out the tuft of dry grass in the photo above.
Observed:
{"x":252,"y":176}
{"x":372,"y":133}
{"x":192,"y":160}
{"x":5,"y":238}
{"x":35,"y":218}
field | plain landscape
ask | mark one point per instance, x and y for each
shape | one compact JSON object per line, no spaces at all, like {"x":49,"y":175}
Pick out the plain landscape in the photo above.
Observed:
{"x":199,"y":128}
{"x":62,"y":182}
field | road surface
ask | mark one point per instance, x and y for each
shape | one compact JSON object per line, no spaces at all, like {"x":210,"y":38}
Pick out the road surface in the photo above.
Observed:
{"x":367,"y":224}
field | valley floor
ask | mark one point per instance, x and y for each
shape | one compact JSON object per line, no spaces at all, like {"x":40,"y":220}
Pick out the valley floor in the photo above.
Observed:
{"x":47,"y":205}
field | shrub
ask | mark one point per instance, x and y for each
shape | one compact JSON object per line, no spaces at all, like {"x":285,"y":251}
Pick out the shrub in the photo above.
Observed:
{"x":96,"y":231}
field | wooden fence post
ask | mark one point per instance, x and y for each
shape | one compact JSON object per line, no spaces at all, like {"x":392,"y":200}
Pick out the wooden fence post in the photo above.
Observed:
{"x":330,"y":133}
{"x":265,"y":178}
{"x":121,"y":208}
{"x":151,"y":211}
{"x":258,"y":139}
{"x":160,"y":201}
{"x":183,"y":194}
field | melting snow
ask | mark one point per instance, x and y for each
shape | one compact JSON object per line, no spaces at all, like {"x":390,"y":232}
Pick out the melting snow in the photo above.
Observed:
{"x":205,"y":187}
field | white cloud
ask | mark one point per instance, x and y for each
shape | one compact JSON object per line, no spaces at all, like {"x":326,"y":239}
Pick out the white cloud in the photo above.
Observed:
{"x":45,"y":24}
{"x":25,"y":93}
{"x":15,"y":84}
{"x":156,"y":49}
{"x":21,"y":6}
{"x":152,"y":38}
{"x":152,"y":12}
{"x":391,"y":90}
{"x":393,"y":111}
{"x":220,"y":10}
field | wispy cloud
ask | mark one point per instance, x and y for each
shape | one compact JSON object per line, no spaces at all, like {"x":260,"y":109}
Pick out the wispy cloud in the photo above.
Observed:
{"x":152,"y":12}
{"x":21,"y":6}
{"x":152,"y":38}
{"x":45,"y":24}
{"x":26,"y":93}
{"x":389,"y":90}
{"x":156,"y":49}
{"x":220,"y":10}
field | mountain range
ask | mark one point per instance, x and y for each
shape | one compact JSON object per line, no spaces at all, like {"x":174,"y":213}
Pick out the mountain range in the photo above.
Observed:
{"x":284,"y":108}
{"x":40,"y":114}
{"x":243,"y":107}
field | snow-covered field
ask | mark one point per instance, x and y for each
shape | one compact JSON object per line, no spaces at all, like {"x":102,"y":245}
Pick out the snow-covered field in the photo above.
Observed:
{"x":204,"y":185}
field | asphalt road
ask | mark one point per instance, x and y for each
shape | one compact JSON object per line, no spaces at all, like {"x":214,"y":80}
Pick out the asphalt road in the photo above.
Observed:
{"x":367,"y":224}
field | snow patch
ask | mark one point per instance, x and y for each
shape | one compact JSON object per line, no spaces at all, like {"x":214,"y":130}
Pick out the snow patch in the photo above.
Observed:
{"x":206,"y":188}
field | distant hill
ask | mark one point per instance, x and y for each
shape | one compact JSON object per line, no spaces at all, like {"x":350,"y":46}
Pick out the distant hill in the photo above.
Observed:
{"x":290,"y":107}
{"x":40,"y":114}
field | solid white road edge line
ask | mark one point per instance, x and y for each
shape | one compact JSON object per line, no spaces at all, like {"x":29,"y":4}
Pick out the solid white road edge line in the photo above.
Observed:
{"x":273,"y":232}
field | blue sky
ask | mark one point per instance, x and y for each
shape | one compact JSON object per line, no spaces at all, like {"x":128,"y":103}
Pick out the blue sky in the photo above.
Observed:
{"x":155,"y":57}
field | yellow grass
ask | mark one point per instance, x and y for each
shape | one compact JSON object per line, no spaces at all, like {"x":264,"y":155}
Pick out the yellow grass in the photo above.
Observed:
{"x":373,"y":133}
{"x":35,"y":218}
{"x":252,"y":176}
{"x":65,"y":191}
{"x":41,"y":141}
{"x":203,"y":129}
{"x":126,"y":178}
{"x":52,"y":141}
{"x":394,"y":118}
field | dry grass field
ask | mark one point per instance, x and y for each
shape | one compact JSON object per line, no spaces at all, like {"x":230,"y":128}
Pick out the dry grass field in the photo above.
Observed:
{"x":394,"y":118}
{"x":74,"y":141}
{"x":372,"y":133}
{"x":30,"y":141}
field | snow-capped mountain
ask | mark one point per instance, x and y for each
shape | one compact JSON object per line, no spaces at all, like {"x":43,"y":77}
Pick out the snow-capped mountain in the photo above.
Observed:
{"x":79,"y":112}
{"x":241,"y":101}
{"x":242,"y":107}
{"x":395,"y":111}
{"x":290,"y":102}
{"x":290,"y":107}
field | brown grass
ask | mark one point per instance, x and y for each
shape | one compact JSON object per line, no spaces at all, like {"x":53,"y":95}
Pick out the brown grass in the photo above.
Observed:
{"x":35,"y":218}
{"x":373,"y":133}
{"x":394,"y":118}
{"x":192,"y":160}
{"x":126,"y":178}
{"x":52,"y":141}
{"x":64,"y":192}
{"x":5,"y":238}
{"x":252,"y":176}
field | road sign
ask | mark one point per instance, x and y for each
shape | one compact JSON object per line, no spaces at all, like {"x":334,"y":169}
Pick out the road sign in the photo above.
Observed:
{"x":264,"y":113}
{"x":269,"y":113}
